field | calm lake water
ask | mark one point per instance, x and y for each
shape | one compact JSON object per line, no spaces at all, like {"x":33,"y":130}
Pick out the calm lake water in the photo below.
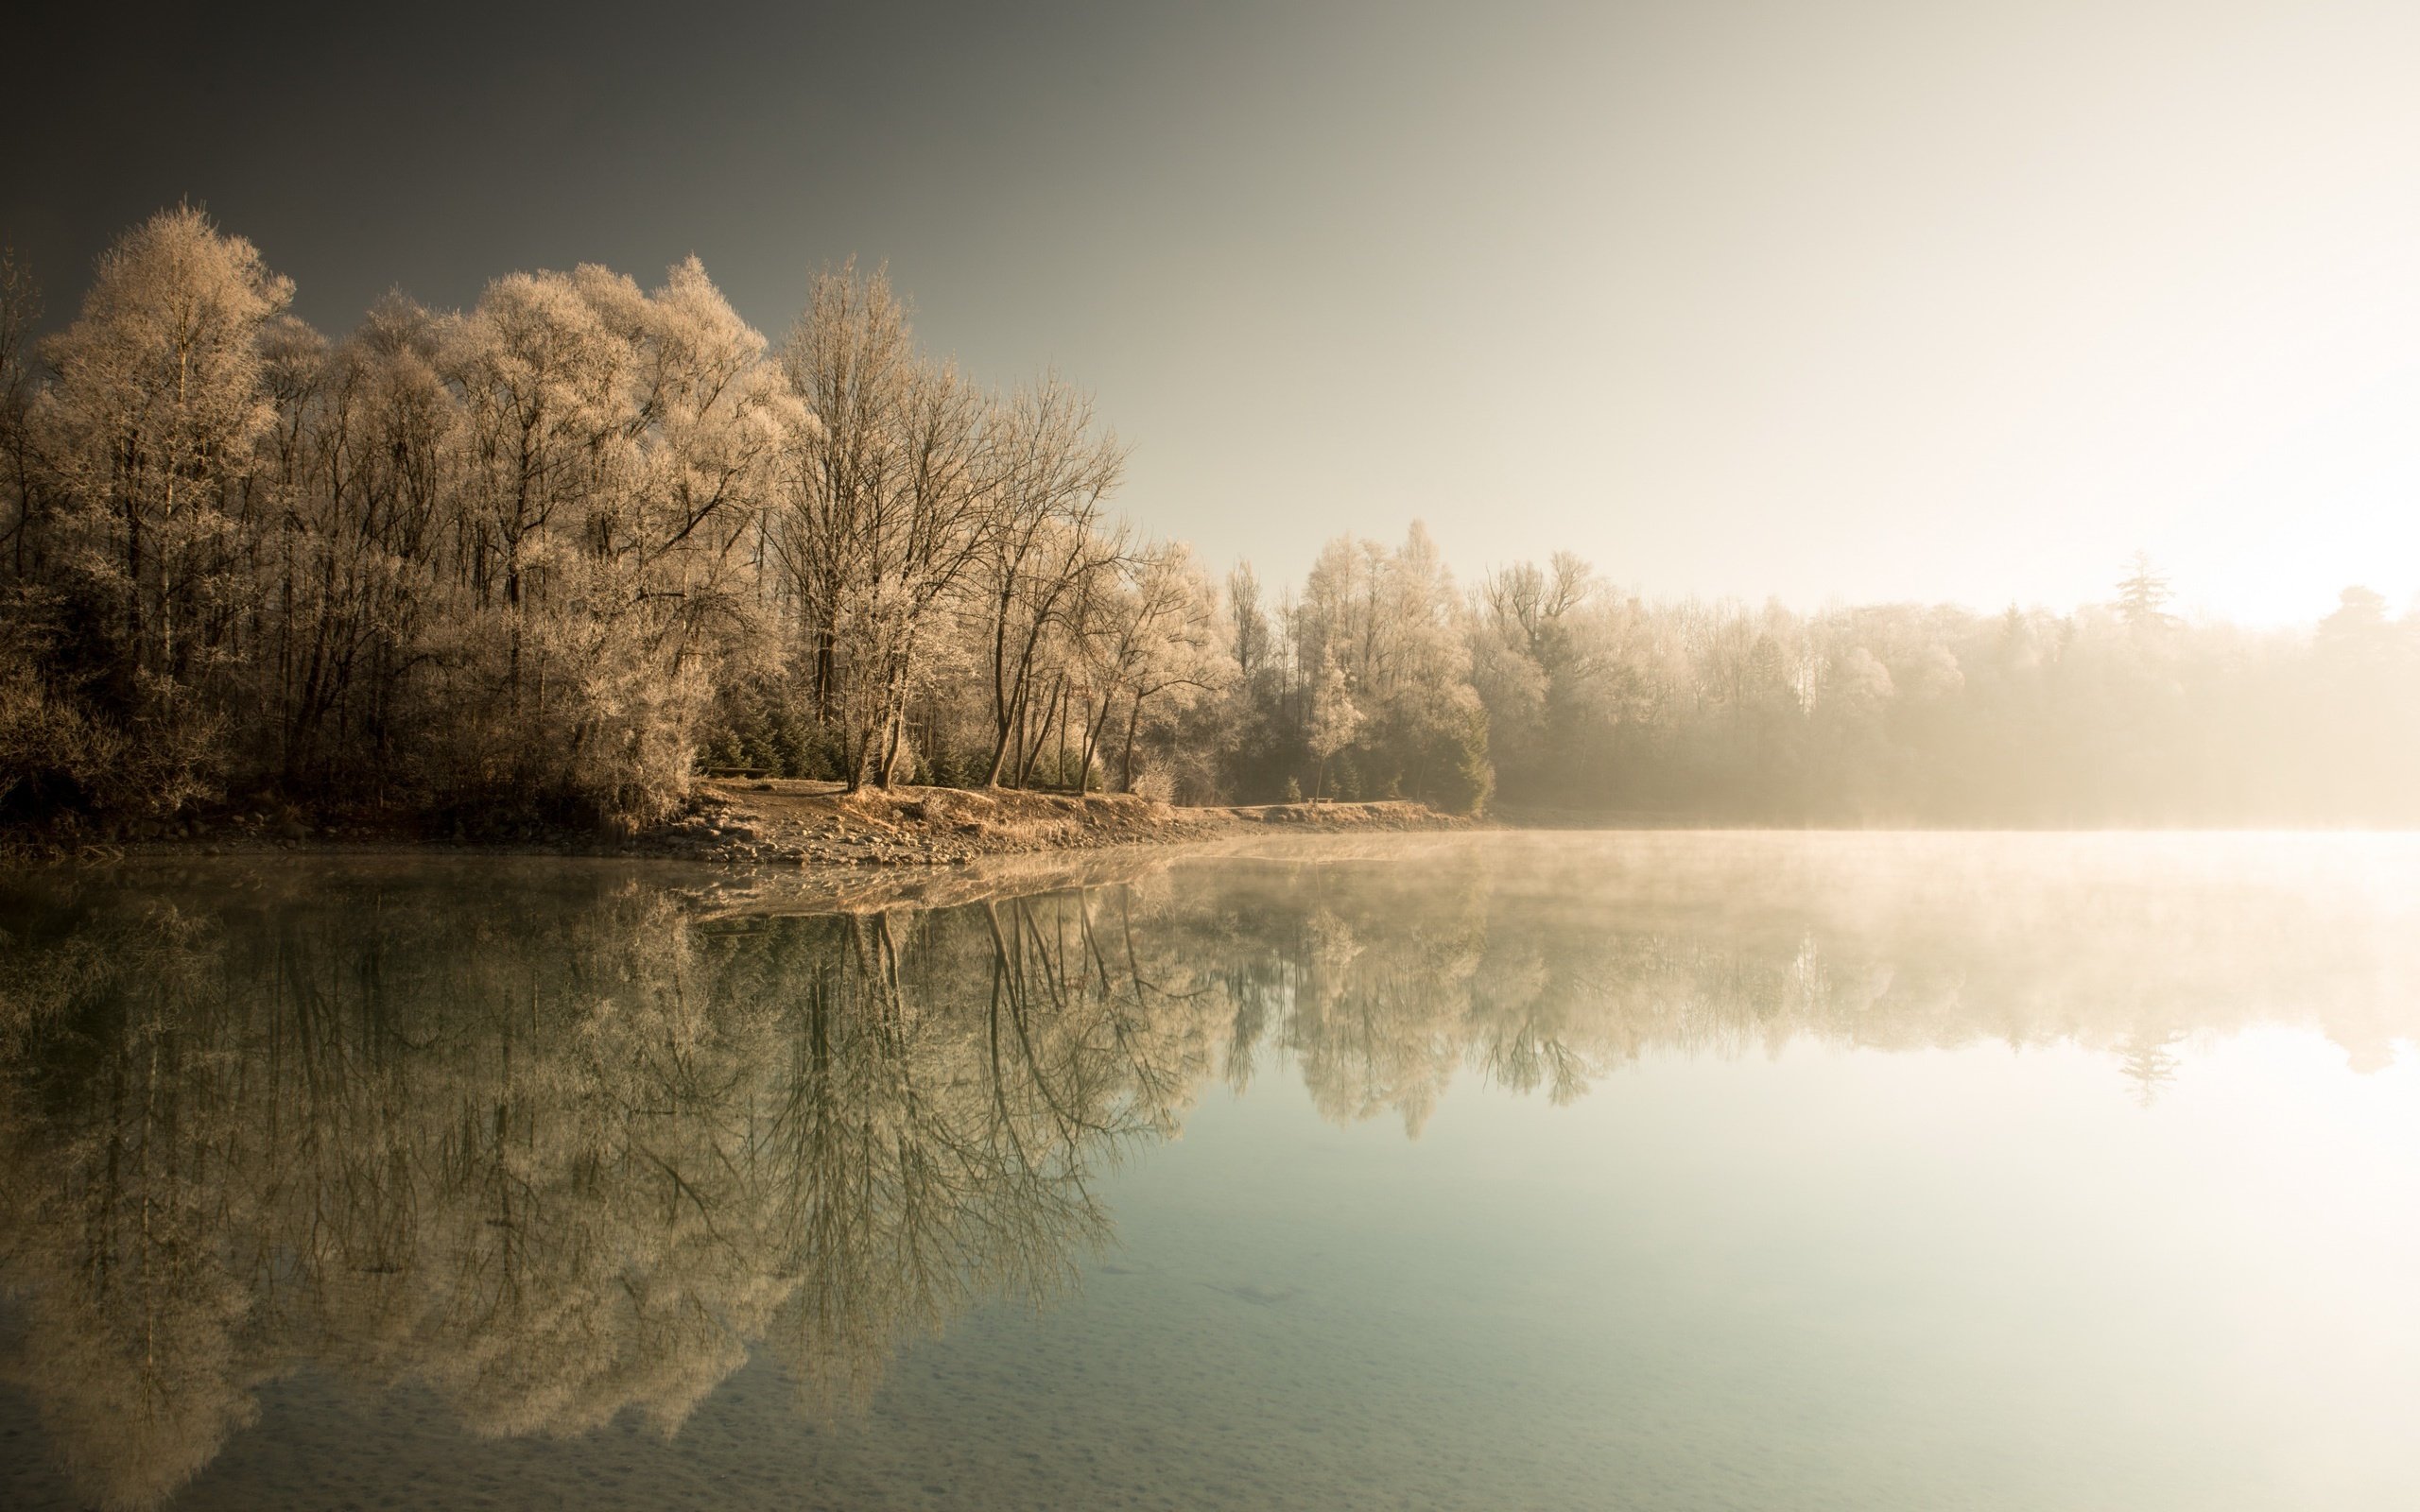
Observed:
{"x":1663,"y":1171}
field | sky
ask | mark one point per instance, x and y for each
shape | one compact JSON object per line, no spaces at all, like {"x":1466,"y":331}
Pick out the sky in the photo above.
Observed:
{"x":1824,"y":301}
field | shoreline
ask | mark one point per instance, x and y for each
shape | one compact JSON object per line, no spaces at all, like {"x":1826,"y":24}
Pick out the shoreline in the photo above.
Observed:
{"x":786,"y":823}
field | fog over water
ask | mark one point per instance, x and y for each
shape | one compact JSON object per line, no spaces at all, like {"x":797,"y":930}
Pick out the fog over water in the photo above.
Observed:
{"x":1512,"y":1170}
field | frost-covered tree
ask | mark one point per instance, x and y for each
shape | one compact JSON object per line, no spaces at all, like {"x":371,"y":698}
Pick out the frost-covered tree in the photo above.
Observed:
{"x":1335,"y":720}
{"x":1149,"y":653}
{"x":1395,"y":632}
{"x":618,"y":449}
{"x":542,"y":560}
{"x":149,"y":434}
{"x":1053,"y":470}
{"x":2143,"y":595}
{"x":884,"y":508}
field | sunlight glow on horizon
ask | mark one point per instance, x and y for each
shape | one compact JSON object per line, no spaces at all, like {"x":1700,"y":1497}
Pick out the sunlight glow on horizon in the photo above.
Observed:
{"x":1875,"y":302}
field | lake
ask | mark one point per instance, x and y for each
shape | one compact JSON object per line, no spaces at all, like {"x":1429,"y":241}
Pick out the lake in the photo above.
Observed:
{"x":1503,"y":1170}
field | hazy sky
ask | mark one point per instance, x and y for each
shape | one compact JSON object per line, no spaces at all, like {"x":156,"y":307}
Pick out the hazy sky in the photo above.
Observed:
{"x":1956,"y":300}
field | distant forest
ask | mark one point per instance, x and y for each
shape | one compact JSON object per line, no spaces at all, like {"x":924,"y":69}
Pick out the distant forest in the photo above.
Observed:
{"x":548,"y":558}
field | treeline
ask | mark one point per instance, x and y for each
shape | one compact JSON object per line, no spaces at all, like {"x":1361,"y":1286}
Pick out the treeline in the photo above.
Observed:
{"x":546,"y":556}
{"x":2120,"y":712}
{"x":550,"y":558}
{"x":1564,"y":696}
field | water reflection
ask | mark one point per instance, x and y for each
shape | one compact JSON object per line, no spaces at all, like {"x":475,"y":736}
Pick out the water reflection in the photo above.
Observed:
{"x":562,"y":1142}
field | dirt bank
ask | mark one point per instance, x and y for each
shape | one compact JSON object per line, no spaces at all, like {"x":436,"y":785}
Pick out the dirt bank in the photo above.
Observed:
{"x":817,"y":824}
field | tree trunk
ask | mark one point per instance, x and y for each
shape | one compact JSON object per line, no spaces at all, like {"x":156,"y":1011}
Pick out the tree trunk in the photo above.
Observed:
{"x":823,"y":672}
{"x":1033,"y":743}
{"x":1084,"y":757}
{"x":890,"y":748}
{"x":134,"y":580}
{"x":1004,"y":699}
{"x":887,"y":761}
{"x":1094,"y":729}
{"x":1007,"y":723}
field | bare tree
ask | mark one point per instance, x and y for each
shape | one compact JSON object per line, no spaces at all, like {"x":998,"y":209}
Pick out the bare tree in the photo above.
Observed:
{"x":1053,"y":476}
{"x":1157,"y":640}
{"x":19,"y":312}
{"x":885,"y":506}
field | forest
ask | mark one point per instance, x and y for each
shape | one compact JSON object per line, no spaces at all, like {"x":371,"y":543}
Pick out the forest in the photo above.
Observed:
{"x":553,"y":557}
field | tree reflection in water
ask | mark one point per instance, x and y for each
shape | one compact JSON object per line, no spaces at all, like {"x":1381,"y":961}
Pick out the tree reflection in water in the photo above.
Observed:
{"x":559,"y":1142}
